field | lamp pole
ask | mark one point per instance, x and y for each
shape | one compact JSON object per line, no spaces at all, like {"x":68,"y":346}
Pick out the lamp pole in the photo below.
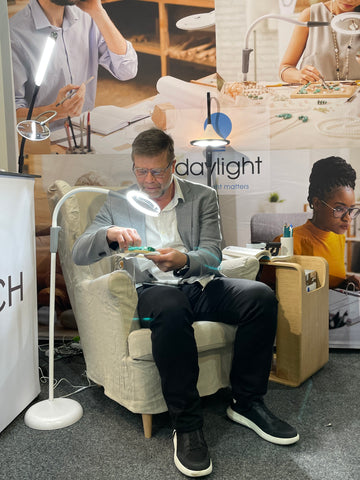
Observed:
{"x":55,"y":413}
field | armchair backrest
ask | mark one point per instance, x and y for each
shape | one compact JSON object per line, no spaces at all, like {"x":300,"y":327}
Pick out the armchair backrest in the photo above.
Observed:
{"x":74,"y":216}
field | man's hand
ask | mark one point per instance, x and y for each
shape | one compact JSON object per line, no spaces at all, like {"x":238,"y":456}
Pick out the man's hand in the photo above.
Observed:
{"x":169,"y":259}
{"x":126,"y":237}
{"x":73,"y":106}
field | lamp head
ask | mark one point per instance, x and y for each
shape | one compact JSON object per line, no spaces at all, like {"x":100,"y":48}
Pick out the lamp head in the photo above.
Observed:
{"x":142,"y":202}
{"x":201,"y":21}
{"x":347,"y":23}
{"x":45,"y":58}
{"x":36,"y":130}
{"x":210,"y":139}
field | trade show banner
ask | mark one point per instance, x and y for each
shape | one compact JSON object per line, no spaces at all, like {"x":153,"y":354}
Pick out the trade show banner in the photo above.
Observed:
{"x":19,"y":379}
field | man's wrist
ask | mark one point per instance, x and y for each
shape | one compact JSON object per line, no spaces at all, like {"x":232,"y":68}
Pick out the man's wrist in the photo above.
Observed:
{"x":180,"y":272}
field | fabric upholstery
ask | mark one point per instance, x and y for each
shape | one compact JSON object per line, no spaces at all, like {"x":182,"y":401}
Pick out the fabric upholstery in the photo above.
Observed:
{"x":117,"y":352}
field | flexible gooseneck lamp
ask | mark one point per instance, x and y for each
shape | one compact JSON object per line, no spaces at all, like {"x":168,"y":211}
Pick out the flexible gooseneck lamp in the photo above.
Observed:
{"x":44,"y":62}
{"x":55,"y":413}
{"x":36,"y":130}
{"x":209,"y":140}
{"x":246,"y":50}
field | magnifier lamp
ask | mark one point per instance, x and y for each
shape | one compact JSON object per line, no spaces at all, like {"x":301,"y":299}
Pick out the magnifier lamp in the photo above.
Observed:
{"x":200,"y":21}
{"x":347,"y":23}
{"x":36,"y":130}
{"x":209,"y":140}
{"x":246,"y":50}
{"x":44,"y":62}
{"x":55,"y":413}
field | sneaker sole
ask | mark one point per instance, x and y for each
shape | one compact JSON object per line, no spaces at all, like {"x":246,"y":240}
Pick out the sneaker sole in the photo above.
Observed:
{"x":236,"y":417}
{"x":186,"y":471}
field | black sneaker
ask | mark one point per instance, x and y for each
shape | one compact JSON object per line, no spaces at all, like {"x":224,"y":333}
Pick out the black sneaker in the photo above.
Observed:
{"x":264,"y":423}
{"x":191,"y":455}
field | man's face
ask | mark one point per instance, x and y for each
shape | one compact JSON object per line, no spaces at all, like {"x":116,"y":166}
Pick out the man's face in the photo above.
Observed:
{"x":155,"y":185}
{"x":63,"y":3}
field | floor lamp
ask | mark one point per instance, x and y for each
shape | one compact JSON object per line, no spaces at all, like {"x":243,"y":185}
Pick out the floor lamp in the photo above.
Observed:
{"x":246,"y":50}
{"x":44,"y":62}
{"x":209,"y":141}
{"x":55,"y":413}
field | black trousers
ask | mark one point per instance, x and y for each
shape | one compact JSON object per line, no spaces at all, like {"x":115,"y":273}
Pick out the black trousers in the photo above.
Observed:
{"x":170,"y":311}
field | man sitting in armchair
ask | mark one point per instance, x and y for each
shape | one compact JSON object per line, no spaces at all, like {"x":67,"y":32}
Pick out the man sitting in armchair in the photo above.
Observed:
{"x":182,"y":284}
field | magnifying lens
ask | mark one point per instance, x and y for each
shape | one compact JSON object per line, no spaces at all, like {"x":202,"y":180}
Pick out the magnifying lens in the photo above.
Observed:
{"x":36,"y":130}
{"x":197,"y":22}
{"x":142,"y":202}
{"x":347,"y":23}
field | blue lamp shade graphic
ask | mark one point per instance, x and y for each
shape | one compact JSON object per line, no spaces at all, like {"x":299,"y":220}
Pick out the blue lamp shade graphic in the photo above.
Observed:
{"x":214,"y":135}
{"x":210,"y":137}
{"x":221,"y":124}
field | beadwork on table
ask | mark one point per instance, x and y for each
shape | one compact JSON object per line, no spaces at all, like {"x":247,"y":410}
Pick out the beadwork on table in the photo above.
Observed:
{"x":252,"y":90}
{"x":317,"y":90}
{"x":346,"y":128}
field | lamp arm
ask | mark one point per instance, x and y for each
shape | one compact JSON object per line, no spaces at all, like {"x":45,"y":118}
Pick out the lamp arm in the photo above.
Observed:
{"x":285,"y":19}
{"x":70,"y":194}
{"x":246,"y":51}
{"x":23,"y":140}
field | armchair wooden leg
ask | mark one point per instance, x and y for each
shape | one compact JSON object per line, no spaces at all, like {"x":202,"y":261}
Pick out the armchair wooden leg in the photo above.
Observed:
{"x":147,"y":424}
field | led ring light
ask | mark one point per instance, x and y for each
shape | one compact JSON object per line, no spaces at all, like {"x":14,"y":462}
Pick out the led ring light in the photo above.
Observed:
{"x":347,"y":23}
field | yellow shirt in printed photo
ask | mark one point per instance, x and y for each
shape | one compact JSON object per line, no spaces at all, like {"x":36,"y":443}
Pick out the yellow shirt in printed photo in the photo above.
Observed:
{"x":312,"y":241}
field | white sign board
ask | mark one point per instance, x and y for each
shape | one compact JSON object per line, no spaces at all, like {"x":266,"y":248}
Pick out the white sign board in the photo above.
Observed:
{"x":19,"y":380}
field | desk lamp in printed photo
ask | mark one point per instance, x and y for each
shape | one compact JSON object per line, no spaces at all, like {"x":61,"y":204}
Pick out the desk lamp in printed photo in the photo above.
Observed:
{"x":210,"y":139}
{"x":44,"y":62}
{"x":247,"y":50}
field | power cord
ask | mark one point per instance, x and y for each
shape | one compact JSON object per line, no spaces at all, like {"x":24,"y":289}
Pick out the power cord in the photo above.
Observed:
{"x":65,"y":350}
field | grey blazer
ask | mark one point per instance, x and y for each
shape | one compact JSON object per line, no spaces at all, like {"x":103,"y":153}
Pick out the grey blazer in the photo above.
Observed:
{"x":198,"y":226}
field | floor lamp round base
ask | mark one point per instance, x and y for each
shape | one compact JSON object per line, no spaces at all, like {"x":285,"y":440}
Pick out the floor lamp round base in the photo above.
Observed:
{"x":53,"y":414}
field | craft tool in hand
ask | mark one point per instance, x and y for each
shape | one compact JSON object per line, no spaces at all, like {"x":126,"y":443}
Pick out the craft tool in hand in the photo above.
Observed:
{"x":323,"y":83}
{"x":71,"y":93}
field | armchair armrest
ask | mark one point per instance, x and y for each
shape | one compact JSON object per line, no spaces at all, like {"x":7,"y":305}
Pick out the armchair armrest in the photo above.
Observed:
{"x":240,"y":267}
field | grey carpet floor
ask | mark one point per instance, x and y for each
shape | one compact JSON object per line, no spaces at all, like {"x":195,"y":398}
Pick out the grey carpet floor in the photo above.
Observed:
{"x":108,"y":443}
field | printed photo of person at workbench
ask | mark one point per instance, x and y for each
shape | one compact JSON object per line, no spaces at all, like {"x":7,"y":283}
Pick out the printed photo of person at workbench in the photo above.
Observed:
{"x":324,"y":53}
{"x":86,"y":38}
{"x":332,"y":198}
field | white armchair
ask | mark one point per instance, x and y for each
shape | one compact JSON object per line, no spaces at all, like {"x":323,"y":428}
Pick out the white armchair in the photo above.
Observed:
{"x":118,"y":353}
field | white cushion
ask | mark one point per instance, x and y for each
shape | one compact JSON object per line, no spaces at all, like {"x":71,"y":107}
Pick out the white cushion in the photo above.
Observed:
{"x":208,"y":335}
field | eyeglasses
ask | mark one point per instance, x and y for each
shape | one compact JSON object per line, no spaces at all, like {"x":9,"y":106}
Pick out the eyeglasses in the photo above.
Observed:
{"x":340,"y":212}
{"x":155,"y":172}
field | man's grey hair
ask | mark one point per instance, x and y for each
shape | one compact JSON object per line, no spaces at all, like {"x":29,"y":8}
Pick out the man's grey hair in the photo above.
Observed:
{"x":153,"y":142}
